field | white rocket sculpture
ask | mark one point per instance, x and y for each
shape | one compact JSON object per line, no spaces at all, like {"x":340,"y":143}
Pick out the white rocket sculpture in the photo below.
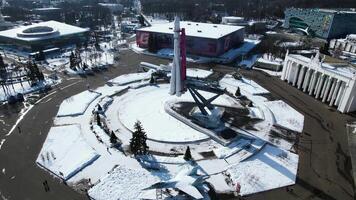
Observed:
{"x":176,"y":75}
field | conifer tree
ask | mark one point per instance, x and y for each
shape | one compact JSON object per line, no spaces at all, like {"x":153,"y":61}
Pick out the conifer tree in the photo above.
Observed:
{"x":113,"y":138}
{"x":138,"y":143}
{"x":238,"y":92}
{"x":187,"y":155}
{"x":98,"y":119}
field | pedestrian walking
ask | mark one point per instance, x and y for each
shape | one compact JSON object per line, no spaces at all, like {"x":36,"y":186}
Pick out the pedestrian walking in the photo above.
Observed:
{"x":19,"y":129}
{"x":46,"y":185}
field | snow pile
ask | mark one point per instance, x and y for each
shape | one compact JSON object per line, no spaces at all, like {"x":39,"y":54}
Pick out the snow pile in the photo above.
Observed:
{"x":245,"y":85}
{"x":198,"y":73}
{"x":286,"y":116}
{"x":123,"y":183}
{"x":269,"y":169}
{"x":57,"y":152}
{"x":130,"y":78}
{"x":77,"y":104}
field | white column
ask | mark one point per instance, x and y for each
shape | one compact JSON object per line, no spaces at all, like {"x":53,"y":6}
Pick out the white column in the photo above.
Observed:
{"x":340,"y":93}
{"x":335,"y":92}
{"x":320,"y":86}
{"x":296,"y":73}
{"x":323,"y":88}
{"x":290,"y":73}
{"x":332,"y":90}
{"x":284,"y":70}
{"x":313,"y":82}
{"x":318,"y":83}
{"x":327,"y":89}
{"x":301,"y":76}
{"x":307,"y":80}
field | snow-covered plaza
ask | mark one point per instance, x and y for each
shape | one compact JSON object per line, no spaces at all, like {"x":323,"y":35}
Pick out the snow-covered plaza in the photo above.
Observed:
{"x":256,"y":154}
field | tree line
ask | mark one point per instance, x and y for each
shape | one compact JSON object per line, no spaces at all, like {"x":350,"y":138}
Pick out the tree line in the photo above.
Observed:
{"x":200,"y":9}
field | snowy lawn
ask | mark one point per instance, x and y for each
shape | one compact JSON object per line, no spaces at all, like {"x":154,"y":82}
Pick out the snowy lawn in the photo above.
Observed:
{"x":124,"y":183}
{"x":269,"y":169}
{"x":286,"y":116}
{"x":77,"y":104}
{"x":245,"y":85}
{"x":130,"y":78}
{"x":65,"y":152}
{"x":200,"y":73}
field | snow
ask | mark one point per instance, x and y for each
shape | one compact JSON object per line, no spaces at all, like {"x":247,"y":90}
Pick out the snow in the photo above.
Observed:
{"x":200,"y":73}
{"x":195,"y":29}
{"x":269,"y":72}
{"x":286,"y":116}
{"x":224,"y":152}
{"x":63,"y":30}
{"x":110,"y":90}
{"x":77,"y":104}
{"x":256,"y":113}
{"x":245,"y":85}
{"x":246,"y":47}
{"x":271,"y":62}
{"x":124,"y":183}
{"x":57,"y":152}
{"x":269,"y":169}
{"x":130,"y":78}
{"x":248,"y":63}
{"x":158,"y":124}
{"x":227,"y":57}
{"x":291,"y":44}
{"x":25,"y":88}
{"x":250,"y":160}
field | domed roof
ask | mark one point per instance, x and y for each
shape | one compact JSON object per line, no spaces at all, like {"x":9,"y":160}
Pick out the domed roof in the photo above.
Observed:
{"x":37,"y":31}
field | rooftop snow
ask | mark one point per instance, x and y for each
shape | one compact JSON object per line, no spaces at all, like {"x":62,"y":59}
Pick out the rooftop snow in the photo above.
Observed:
{"x":195,"y":29}
{"x":61,"y":28}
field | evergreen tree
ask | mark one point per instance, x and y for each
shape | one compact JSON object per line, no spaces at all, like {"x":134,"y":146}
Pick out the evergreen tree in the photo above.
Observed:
{"x":113,"y":138}
{"x":100,"y":108}
{"x":98,"y":120}
{"x":238,"y":92}
{"x":138,"y":143}
{"x":187,"y":155}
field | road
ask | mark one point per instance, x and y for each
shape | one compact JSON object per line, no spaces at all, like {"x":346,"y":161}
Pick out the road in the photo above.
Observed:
{"x":324,"y":165}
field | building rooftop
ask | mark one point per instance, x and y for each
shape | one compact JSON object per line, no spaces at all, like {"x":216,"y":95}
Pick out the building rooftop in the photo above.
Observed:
{"x":336,"y":66}
{"x":41,"y":31}
{"x":195,"y":29}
